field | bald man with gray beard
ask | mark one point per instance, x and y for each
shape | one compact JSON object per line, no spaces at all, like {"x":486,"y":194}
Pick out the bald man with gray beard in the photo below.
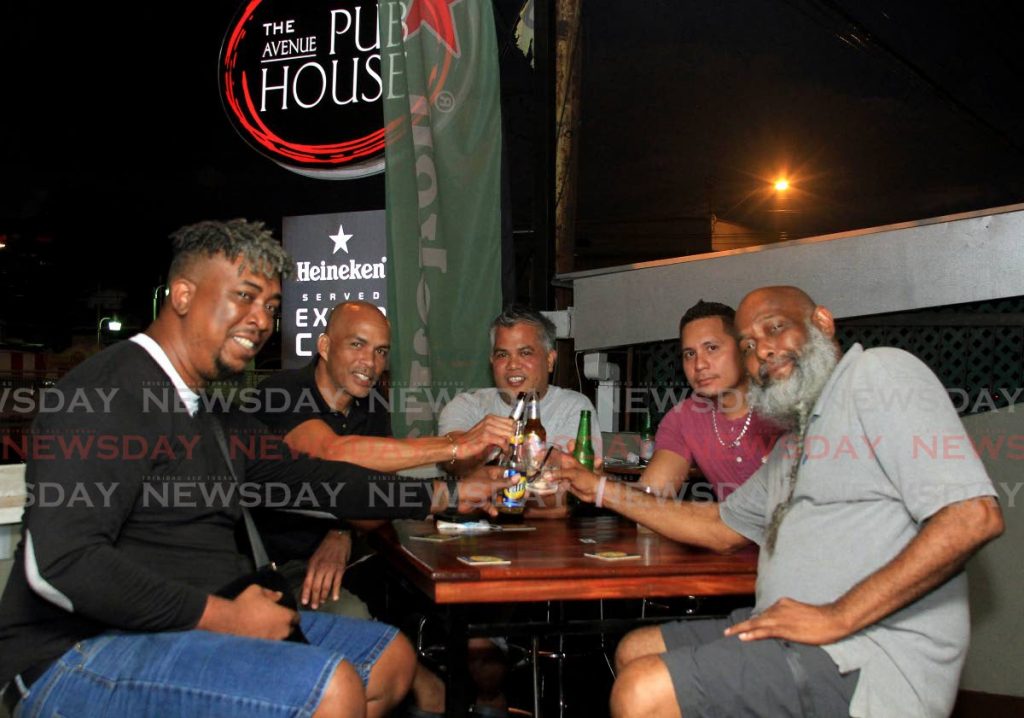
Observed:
{"x":861,"y":597}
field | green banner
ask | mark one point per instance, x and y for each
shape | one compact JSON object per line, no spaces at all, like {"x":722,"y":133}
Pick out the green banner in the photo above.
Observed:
{"x":442,"y":112}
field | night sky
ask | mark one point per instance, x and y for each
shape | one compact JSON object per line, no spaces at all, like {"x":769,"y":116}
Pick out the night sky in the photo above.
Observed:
{"x":878,"y":111}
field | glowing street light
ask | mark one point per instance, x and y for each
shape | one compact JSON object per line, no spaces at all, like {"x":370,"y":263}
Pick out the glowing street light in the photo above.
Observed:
{"x":781,"y":185}
{"x":113,"y":324}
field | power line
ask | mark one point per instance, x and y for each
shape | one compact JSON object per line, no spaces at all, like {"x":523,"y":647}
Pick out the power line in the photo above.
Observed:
{"x":863,"y":37}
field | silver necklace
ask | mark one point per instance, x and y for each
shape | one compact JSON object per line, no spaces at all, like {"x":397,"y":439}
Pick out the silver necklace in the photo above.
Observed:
{"x":735,"y":443}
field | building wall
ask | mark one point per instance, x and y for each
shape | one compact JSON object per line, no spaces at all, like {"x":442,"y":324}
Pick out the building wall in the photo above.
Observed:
{"x":995,"y":662}
{"x":971,"y":257}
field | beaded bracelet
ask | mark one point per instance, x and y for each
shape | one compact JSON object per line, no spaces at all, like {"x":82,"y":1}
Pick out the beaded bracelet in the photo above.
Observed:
{"x":455,"y":449}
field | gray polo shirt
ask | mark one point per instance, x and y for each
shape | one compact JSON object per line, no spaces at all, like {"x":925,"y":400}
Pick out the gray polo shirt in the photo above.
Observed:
{"x":559,"y":413}
{"x":875,"y":468}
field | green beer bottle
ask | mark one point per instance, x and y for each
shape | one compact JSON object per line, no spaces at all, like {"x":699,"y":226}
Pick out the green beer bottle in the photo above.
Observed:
{"x":584,"y":452}
{"x":646,"y":439}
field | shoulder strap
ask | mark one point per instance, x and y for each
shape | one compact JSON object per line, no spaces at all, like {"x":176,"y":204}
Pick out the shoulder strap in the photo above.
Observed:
{"x":259,"y":553}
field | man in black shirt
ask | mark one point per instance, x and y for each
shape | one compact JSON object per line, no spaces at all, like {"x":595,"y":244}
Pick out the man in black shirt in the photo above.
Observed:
{"x":110,"y":608}
{"x":328,"y":409}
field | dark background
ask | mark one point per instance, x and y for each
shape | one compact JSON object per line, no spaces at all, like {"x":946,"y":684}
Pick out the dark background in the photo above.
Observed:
{"x":113,"y":140}
{"x":112,"y":135}
{"x":878,"y":111}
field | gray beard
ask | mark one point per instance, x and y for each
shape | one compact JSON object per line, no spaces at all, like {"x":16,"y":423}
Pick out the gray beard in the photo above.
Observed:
{"x":784,"y":400}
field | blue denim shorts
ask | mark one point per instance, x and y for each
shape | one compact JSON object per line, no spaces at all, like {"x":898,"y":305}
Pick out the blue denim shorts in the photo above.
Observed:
{"x":199,"y":673}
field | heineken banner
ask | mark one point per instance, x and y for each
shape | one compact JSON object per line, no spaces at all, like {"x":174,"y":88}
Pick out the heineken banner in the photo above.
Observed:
{"x":339,"y":257}
{"x":443,"y":160}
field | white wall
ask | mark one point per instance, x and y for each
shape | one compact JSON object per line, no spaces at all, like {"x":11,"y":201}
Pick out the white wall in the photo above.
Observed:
{"x":12,"y":497}
{"x":969,"y":257}
{"x":995,"y":662}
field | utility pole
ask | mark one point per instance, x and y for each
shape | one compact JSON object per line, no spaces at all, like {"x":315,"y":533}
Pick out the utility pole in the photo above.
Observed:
{"x":568,"y":67}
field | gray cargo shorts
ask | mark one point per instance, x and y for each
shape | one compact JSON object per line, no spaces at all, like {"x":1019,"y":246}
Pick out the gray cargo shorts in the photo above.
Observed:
{"x":718,"y":676}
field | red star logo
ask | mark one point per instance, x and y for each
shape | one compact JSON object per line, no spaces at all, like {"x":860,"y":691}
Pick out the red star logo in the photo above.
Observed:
{"x":437,"y":16}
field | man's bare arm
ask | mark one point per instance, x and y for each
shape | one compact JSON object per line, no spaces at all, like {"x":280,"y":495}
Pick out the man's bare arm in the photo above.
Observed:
{"x":945,"y":543}
{"x":693,"y":522}
{"x":493,"y":426}
{"x":315,"y":437}
{"x":462,"y":466}
{"x":667,"y":471}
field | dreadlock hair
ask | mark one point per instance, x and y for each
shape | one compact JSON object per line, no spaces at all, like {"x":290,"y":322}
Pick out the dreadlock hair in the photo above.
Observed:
{"x":704,"y":310}
{"x":261,"y":253}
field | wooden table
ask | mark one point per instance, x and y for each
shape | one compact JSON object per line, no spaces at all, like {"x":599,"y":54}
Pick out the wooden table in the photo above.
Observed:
{"x":547,"y":564}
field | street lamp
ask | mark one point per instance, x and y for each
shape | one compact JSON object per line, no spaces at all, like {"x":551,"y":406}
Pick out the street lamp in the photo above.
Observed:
{"x":781,"y":208}
{"x":113,"y":324}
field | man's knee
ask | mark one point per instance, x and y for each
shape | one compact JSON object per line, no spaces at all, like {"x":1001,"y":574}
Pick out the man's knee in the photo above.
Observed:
{"x":343,"y":695}
{"x":636,"y":644}
{"x":392,"y":674}
{"x":428,"y":690}
{"x":487,"y":666}
{"x":644,"y":688}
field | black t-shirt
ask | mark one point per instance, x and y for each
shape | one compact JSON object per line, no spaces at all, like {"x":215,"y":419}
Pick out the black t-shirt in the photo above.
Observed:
{"x":133,"y":510}
{"x":288,"y":399}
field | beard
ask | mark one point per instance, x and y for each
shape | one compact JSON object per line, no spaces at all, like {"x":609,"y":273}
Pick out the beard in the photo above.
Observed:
{"x":784,"y":400}
{"x":222,"y":369}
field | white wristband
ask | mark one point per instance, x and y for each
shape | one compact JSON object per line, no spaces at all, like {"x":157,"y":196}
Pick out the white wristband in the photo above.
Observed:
{"x":599,"y":494}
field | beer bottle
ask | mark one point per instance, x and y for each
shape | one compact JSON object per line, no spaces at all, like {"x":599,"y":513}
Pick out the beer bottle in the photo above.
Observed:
{"x":513,"y":498}
{"x":535,"y":437}
{"x":518,"y":407}
{"x":646,"y":439}
{"x":584,"y":452}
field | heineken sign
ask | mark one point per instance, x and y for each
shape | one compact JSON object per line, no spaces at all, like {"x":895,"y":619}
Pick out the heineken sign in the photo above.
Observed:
{"x":303,"y":83}
{"x":339,"y":257}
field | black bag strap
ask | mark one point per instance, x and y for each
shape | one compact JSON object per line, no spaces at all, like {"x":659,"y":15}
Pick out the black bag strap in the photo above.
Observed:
{"x":259,"y":553}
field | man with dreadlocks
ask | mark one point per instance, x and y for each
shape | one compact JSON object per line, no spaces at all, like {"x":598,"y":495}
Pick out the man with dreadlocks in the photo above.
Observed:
{"x":861,"y":597}
{"x":110,"y":609}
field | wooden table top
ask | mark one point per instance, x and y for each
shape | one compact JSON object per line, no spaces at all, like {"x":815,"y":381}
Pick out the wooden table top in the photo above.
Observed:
{"x":548,"y":563}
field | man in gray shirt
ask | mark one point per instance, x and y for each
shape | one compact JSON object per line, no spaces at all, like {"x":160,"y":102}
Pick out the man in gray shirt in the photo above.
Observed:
{"x":864,"y":528}
{"x":522,"y":358}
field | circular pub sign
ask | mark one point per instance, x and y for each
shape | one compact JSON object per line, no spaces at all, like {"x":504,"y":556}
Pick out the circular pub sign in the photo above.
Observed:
{"x":301,"y":82}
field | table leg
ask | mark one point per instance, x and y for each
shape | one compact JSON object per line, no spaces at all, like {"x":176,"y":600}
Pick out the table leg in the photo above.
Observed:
{"x":457,"y":679}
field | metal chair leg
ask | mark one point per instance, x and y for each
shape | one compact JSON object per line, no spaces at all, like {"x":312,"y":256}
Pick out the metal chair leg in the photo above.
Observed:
{"x":535,"y":644}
